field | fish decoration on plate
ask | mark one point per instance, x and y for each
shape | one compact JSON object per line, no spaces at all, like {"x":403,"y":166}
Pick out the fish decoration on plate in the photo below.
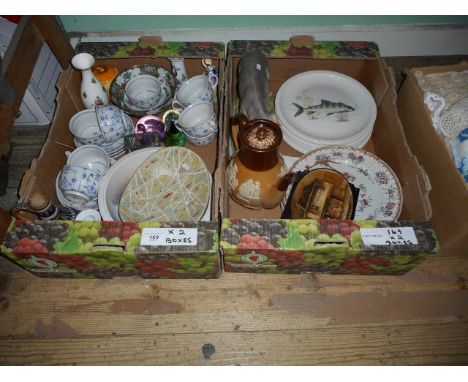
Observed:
{"x":319,"y":108}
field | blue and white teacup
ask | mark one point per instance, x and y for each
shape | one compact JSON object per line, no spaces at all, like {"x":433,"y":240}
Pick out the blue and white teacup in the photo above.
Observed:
{"x":143,"y":91}
{"x":198,"y":120}
{"x":194,"y":90}
{"x":201,"y":141}
{"x":79,"y":184}
{"x":89,"y":156}
{"x":113,"y":122}
{"x":84,"y":126}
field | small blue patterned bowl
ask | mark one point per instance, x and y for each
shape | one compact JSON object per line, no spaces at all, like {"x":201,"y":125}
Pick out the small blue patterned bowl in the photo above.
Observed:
{"x":79,"y":184}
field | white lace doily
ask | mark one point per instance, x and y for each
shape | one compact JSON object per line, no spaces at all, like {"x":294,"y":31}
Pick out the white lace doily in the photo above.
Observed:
{"x":436,"y":104}
{"x":454,"y":119}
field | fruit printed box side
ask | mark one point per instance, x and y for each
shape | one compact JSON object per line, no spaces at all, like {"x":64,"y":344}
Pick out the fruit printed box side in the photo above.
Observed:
{"x":89,"y":249}
{"x":326,"y":246}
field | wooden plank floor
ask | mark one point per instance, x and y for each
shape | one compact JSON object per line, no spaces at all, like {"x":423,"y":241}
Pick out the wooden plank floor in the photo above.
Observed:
{"x":239,"y":319}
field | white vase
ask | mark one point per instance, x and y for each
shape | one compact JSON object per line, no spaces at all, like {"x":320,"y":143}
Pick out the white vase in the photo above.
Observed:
{"x":92,"y":91}
{"x":178,"y":69}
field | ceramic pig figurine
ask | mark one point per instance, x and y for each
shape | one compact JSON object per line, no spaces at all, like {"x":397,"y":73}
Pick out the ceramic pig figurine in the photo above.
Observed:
{"x":253,"y":88}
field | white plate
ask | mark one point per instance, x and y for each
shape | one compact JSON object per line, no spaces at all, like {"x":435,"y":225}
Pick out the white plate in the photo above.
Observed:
{"x":380,"y":196}
{"x":305,"y":144}
{"x":324,"y":97}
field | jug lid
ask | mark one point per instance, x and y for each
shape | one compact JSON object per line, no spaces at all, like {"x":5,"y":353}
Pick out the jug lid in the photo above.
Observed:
{"x":262,"y":135}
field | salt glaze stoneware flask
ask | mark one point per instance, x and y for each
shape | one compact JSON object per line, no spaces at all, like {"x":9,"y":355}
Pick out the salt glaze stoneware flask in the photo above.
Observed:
{"x":256,"y":175}
{"x":92,"y":91}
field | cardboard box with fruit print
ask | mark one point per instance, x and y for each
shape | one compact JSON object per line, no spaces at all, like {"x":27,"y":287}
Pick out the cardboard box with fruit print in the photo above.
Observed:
{"x":90,"y":249}
{"x":327,"y":246}
{"x":109,"y":248}
{"x":255,"y":239}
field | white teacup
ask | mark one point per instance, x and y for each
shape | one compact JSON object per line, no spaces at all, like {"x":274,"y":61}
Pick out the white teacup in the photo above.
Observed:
{"x":201,"y":141}
{"x":79,"y":184}
{"x":194,"y":90}
{"x":84,"y":126}
{"x":143,"y":91}
{"x":198,"y":120}
{"x":90,"y":156}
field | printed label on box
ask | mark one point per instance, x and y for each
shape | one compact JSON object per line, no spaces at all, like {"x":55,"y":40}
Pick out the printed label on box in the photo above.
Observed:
{"x":169,"y":236}
{"x":389,"y":236}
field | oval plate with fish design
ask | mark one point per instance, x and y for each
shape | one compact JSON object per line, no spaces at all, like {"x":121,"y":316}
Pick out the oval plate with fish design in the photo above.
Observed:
{"x":324,"y":106}
{"x":380,"y":195}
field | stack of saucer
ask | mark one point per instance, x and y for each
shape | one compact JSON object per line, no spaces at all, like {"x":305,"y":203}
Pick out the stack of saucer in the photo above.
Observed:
{"x":319,"y":108}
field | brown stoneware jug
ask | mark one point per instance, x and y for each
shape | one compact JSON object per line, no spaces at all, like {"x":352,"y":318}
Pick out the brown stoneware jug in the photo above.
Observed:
{"x":256,"y":176}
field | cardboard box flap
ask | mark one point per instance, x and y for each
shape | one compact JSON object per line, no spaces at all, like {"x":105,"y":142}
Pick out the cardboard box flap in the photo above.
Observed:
{"x":300,"y":46}
{"x":449,"y":193}
{"x":152,"y":48}
{"x":107,"y":249}
{"x":329,"y":246}
{"x":419,"y":171}
{"x":310,"y":234}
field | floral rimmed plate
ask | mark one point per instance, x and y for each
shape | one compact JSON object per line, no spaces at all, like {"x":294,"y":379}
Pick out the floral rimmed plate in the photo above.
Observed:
{"x":172,"y":184}
{"x":380,"y":196}
{"x":167,"y":80}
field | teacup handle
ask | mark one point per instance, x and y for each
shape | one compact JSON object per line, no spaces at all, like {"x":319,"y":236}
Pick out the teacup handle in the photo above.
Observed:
{"x":213,"y":126}
{"x":177,"y":105}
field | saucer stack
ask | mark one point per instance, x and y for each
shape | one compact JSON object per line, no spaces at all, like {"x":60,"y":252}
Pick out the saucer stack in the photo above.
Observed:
{"x":320,"y":108}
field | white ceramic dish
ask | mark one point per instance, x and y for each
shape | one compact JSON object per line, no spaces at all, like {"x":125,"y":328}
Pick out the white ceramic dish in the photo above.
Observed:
{"x":380,"y":196}
{"x":116,"y":179}
{"x":89,"y":214}
{"x":323,"y":108}
{"x":305,"y":144}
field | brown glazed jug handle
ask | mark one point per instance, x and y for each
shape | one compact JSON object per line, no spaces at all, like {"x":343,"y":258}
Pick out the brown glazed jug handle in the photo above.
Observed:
{"x":238,"y":123}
